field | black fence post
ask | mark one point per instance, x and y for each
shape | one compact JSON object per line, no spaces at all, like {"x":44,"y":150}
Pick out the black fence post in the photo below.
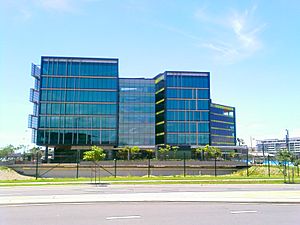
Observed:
{"x":284,"y":171}
{"x":149,"y":165}
{"x":115,"y":167}
{"x":269,"y":172}
{"x":184,"y":165}
{"x":215,"y":166}
{"x":289,"y":175}
{"x":37,"y":166}
{"x":247,"y":159}
{"x":77,"y":162}
{"x":95,"y":172}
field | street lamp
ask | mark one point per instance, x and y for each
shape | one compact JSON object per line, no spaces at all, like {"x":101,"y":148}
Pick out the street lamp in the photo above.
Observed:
{"x":287,"y":139}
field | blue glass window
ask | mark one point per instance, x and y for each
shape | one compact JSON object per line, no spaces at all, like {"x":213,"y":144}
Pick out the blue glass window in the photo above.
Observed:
{"x":203,"y":127}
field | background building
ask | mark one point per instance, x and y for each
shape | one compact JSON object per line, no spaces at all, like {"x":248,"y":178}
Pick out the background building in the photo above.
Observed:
{"x":272,"y":146}
{"x":80,"y":102}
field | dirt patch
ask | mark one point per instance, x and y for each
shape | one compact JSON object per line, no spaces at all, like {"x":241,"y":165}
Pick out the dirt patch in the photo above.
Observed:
{"x":9,"y":174}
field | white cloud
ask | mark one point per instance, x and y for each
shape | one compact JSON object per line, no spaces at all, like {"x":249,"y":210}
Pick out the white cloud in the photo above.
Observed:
{"x":232,"y":37}
{"x":57,"y":5}
{"x":26,"y":9}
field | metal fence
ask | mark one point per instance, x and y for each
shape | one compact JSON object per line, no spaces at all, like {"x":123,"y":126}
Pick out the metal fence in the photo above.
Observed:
{"x":155,"y":167}
{"x":146,"y":167}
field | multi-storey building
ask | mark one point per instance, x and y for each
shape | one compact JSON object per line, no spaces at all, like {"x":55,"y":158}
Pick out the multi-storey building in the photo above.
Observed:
{"x":272,"y":146}
{"x":182,"y":108}
{"x":222,"y":125}
{"x":80,"y":102}
{"x":137,"y":112}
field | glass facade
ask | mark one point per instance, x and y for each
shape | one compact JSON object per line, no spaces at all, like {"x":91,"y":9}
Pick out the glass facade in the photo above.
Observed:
{"x":223,"y":129}
{"x":82,"y":102}
{"x":136,"y":112}
{"x":182,"y":108}
{"x":78,"y":101}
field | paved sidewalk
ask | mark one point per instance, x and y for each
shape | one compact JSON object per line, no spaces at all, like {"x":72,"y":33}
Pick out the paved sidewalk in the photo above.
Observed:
{"x":232,"y":196}
{"x":136,"y":181}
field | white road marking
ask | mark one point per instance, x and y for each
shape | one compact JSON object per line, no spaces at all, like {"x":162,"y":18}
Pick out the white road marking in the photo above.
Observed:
{"x":122,"y":217}
{"x":45,"y":204}
{"x":240,"y":212}
{"x":25,"y":205}
{"x":284,"y":204}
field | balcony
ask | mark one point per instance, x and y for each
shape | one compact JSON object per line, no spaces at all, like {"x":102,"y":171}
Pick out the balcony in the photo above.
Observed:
{"x":32,"y":122}
{"x":34,"y":96}
{"x":35,"y":71}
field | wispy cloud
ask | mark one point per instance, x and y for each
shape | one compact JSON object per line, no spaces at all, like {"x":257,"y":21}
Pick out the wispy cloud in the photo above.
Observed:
{"x":232,"y":37}
{"x":57,"y":5}
{"x":26,"y":9}
{"x":177,"y":31}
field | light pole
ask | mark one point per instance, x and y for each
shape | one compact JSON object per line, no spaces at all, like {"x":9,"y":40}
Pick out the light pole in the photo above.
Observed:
{"x":287,"y":139}
{"x":251,"y":139}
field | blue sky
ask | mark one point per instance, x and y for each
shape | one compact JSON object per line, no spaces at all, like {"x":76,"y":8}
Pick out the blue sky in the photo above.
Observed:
{"x":251,"y":49}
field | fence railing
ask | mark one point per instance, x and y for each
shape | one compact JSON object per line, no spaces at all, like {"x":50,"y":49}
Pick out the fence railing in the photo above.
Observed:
{"x":153,"y":167}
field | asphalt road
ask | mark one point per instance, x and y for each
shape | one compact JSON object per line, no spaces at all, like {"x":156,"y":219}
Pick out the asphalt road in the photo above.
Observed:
{"x":153,"y":213}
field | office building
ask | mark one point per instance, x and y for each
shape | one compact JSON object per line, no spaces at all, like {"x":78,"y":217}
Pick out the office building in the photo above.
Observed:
{"x":222,"y":125}
{"x":273,"y":146}
{"x":182,"y":108}
{"x":137,"y":112}
{"x":80,"y":102}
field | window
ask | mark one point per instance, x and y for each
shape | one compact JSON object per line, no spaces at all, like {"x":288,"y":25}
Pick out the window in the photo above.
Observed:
{"x":203,"y":127}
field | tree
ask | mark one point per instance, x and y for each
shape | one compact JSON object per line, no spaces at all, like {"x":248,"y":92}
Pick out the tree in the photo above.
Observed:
{"x":212,"y":152}
{"x":128,"y":152}
{"x":134,"y":151}
{"x":232,"y":155}
{"x":208,"y":151}
{"x":175,"y":149}
{"x":284,"y":157}
{"x":164,"y":150}
{"x":123,"y":153}
{"x":6,"y":151}
{"x":35,"y":151}
{"x":199,"y":152}
{"x":296,"y":163}
{"x":95,"y":154}
{"x":149,"y":153}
